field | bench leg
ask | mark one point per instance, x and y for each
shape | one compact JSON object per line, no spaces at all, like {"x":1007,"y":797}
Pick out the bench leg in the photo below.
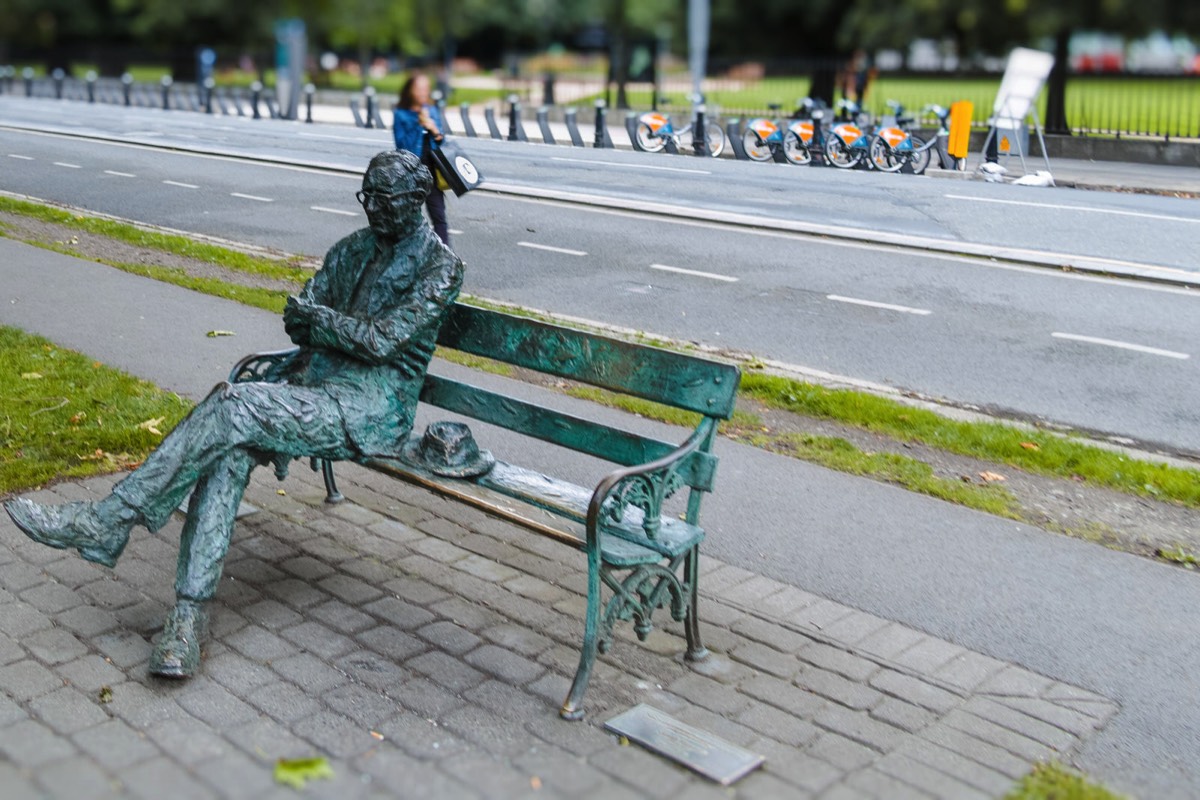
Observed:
{"x":696,"y":651}
{"x":572,"y":707}
{"x":332,"y":495}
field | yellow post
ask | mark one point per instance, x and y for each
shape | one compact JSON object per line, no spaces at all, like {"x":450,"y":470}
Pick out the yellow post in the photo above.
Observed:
{"x":960,"y":128}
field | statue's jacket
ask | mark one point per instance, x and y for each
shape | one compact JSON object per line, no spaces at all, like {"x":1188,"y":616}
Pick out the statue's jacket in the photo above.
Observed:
{"x":375,"y":331}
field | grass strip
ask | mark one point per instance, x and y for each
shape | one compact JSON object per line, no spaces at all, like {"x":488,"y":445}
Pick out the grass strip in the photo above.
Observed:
{"x":1053,"y":781}
{"x":831,"y":452}
{"x":1035,"y":451}
{"x":168,"y":243}
{"x":67,"y":416}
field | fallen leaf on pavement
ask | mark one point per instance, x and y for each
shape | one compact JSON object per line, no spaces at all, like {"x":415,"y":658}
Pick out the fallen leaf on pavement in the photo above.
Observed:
{"x":377,"y":735}
{"x":299,"y":771}
{"x":105,"y":694}
{"x":535,"y":783}
{"x":992,"y":477}
{"x":215,"y":334}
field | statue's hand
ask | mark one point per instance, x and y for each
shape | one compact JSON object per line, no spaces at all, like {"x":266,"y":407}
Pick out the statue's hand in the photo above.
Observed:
{"x":297,"y":320}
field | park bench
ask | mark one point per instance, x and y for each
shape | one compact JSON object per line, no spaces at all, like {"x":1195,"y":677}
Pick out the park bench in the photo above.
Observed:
{"x":645,"y":556}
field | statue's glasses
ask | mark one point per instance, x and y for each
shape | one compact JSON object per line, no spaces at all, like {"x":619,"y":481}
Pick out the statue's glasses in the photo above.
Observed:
{"x":378,"y":198}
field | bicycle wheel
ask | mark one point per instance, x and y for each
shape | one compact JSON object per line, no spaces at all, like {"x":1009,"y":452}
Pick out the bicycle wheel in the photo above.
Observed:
{"x":884,"y":157}
{"x":840,"y":154}
{"x":920,"y":155}
{"x":714,"y":138}
{"x":756,"y":148}
{"x":647,"y":140}
{"x":795,"y":150}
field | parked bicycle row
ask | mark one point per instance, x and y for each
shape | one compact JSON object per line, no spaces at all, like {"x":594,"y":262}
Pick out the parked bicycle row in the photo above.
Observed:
{"x":844,"y":137}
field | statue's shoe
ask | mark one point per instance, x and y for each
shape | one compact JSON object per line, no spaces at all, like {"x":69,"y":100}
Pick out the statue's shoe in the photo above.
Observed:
{"x":177,"y":654}
{"x":77,"y":525}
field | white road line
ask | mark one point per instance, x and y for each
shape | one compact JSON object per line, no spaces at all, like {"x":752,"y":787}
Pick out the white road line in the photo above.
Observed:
{"x":695,"y":273}
{"x":254,"y":197}
{"x":182,"y":185}
{"x":68,"y":166}
{"x":335,"y":211}
{"x":1140,"y":348}
{"x":1062,"y":207}
{"x":23,"y":158}
{"x":873,"y":304}
{"x":631,"y":166}
{"x":119,"y":174}
{"x":454,"y":232}
{"x":548,"y":248}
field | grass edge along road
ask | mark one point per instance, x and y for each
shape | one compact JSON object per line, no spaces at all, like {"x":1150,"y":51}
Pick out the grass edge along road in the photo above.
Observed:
{"x":1037,"y":451}
{"x":67,"y":416}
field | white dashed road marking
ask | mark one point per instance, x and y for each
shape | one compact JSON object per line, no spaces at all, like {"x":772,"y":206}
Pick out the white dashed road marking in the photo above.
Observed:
{"x":23,"y":158}
{"x":68,"y":166}
{"x":253,"y":197}
{"x":712,"y":276}
{"x":548,"y":248}
{"x":181,"y":185}
{"x":335,"y":211}
{"x":119,"y":174}
{"x":1138,"y":348}
{"x":873,"y":304}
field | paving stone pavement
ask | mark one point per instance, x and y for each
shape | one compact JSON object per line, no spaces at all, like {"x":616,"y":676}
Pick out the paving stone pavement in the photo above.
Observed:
{"x":424,"y":648}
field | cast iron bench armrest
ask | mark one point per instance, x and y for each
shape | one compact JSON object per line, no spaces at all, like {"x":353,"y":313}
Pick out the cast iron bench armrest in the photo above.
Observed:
{"x":262,"y":366}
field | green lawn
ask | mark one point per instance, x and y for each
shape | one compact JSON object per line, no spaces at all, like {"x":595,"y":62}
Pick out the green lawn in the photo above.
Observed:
{"x":67,"y":416}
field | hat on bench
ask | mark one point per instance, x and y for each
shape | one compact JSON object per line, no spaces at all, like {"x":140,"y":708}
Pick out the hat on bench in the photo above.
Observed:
{"x":448,"y":449}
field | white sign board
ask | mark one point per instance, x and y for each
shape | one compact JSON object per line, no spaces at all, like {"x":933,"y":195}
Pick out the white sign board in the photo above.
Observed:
{"x":1024,"y":77}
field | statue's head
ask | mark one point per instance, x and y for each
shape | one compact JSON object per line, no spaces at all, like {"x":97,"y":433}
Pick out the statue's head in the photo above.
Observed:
{"x":394,"y":189}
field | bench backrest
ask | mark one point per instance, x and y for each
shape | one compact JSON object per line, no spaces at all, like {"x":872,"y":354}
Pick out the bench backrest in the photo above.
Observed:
{"x":706,"y":387}
{"x":673,"y":379}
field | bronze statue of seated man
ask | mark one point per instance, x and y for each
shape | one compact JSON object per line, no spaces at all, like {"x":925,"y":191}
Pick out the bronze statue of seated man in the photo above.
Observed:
{"x":366,"y":323}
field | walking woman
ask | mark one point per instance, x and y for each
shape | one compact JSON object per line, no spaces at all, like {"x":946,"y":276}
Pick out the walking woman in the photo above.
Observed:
{"x":418,"y":127}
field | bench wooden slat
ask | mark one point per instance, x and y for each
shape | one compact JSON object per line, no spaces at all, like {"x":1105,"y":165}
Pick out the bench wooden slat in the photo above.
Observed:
{"x":524,"y":497}
{"x":565,"y":430}
{"x":682,"y":381}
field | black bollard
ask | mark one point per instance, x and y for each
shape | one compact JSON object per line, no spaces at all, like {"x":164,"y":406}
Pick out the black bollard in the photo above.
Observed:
{"x":464,"y":111}
{"x":210,"y":87}
{"x":516,"y":131}
{"x":59,"y":76}
{"x":631,"y":123}
{"x":255,"y":91}
{"x":548,"y":89}
{"x":166,"y":92}
{"x":27,"y":75}
{"x":699,"y":135}
{"x":569,"y":117}
{"x":601,"y":135}
{"x":309,"y":91}
{"x":91,"y":86}
{"x":127,"y":88}
{"x":543,"y":118}
{"x":369,"y":101}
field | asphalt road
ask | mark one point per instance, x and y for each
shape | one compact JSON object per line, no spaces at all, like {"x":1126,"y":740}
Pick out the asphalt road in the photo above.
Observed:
{"x":1110,"y":622}
{"x":1117,"y":357}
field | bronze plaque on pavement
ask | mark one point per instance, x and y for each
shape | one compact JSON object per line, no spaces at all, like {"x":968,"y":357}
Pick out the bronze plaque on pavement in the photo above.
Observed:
{"x":700,"y":751}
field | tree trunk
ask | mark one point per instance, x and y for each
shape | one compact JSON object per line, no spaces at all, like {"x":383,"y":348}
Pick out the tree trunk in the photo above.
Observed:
{"x":618,"y":50}
{"x":824,"y":81}
{"x":1056,"y":86}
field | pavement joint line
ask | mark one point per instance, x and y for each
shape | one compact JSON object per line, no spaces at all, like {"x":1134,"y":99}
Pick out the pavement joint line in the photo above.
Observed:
{"x":548,"y":248}
{"x":694,"y":273}
{"x":876,"y":304}
{"x":1109,"y":268}
{"x":1138,"y":348}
